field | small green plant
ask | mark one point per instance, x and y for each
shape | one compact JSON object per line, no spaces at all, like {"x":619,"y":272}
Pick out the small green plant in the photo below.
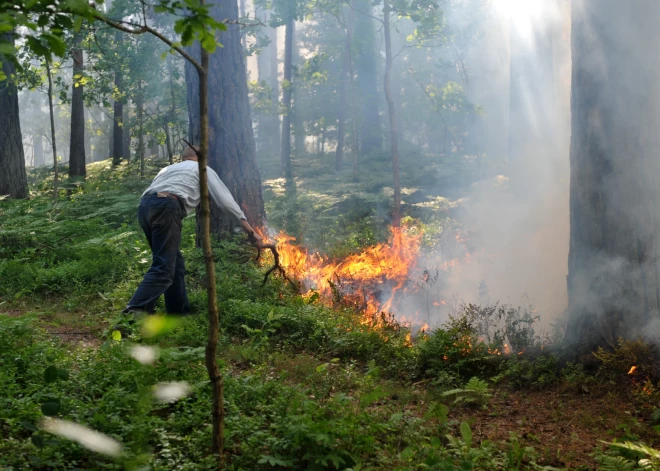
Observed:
{"x":475,"y":392}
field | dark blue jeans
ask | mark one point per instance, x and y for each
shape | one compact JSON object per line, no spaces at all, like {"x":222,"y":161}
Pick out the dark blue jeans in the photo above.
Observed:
{"x":161,"y":219}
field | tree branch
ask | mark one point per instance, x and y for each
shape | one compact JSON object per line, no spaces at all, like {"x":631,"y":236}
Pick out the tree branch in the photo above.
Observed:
{"x":147,"y":29}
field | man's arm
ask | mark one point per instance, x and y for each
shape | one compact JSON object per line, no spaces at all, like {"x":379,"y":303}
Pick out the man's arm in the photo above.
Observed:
{"x":223,"y":198}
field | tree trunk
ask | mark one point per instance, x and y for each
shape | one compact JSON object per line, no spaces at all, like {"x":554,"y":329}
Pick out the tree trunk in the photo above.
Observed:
{"x":341,"y":124}
{"x":88,"y":139}
{"x":118,"y":129}
{"x":371,"y":138}
{"x":613,"y":283}
{"x":140,"y":122}
{"x":297,"y":123}
{"x":77,"y":147}
{"x":349,"y":56}
{"x":287,"y":171}
{"x":127,"y":131}
{"x":53,"y":142}
{"x":274,"y":121}
{"x":168,"y":142}
{"x":13,"y":177}
{"x":396,"y":213}
{"x":232,"y":152}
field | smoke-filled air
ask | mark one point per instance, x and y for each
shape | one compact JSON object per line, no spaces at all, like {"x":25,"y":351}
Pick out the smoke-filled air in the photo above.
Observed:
{"x":329,"y":234}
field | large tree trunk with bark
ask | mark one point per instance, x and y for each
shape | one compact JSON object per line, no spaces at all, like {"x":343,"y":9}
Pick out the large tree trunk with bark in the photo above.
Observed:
{"x":77,"y":147}
{"x":287,"y":171}
{"x":613,"y":283}
{"x":13,"y":177}
{"x":232,"y":152}
{"x":394,"y":138}
{"x":371,"y":137}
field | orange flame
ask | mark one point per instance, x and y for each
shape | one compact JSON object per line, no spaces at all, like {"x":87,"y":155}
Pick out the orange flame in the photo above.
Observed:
{"x":359,"y":273}
{"x":632,"y":369}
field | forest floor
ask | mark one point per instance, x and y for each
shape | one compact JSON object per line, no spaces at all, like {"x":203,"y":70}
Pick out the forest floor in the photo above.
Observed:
{"x":307,"y":385}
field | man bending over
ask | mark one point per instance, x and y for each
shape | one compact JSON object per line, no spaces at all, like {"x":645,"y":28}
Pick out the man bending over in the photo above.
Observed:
{"x":173,"y":194}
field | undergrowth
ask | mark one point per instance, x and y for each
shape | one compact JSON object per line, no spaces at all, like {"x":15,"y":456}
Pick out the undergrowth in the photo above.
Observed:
{"x":307,"y":386}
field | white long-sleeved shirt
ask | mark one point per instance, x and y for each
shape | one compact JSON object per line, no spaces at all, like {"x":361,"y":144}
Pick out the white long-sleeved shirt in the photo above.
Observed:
{"x":182,"y":180}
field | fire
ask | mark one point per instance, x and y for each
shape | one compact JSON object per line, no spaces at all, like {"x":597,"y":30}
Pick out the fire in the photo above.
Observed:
{"x":359,"y":277}
{"x":632,"y":369}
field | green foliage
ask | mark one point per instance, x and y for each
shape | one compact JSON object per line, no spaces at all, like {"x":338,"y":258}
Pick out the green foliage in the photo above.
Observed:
{"x":475,"y":392}
{"x":617,"y":363}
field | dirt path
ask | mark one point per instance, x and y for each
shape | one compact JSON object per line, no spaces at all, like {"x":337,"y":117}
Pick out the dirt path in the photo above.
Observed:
{"x":58,"y":326}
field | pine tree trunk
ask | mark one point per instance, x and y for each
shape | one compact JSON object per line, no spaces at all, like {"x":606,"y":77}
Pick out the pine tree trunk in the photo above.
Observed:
{"x":118,"y":129}
{"x":232,"y":152}
{"x":53,"y":142}
{"x":13,"y":177}
{"x":168,"y":142}
{"x":613,"y":283}
{"x":287,"y":171}
{"x":274,"y":121}
{"x":396,"y":213}
{"x":126,"y":153}
{"x":371,"y":137}
{"x":341,"y":112}
{"x":77,"y":158}
{"x":349,"y":56}
{"x":140,"y":122}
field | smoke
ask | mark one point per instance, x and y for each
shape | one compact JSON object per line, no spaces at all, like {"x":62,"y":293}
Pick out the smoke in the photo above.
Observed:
{"x":519,"y":221}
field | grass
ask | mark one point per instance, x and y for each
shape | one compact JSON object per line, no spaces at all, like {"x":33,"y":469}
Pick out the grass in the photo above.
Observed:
{"x":307,"y":386}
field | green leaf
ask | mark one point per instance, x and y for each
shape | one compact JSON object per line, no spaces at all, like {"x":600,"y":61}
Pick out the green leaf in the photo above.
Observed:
{"x":78,"y":24}
{"x":7,"y":48}
{"x":29,"y":425}
{"x":50,"y":375}
{"x":209,"y":44}
{"x":38,"y":440}
{"x":62,"y":374}
{"x":50,"y":408}
{"x":466,"y":433}
{"x":116,"y":335}
{"x":55,"y":43}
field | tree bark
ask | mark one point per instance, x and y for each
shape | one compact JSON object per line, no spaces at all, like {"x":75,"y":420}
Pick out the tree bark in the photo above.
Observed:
{"x":217,"y":385}
{"x":297,"y":123}
{"x":341,"y":124}
{"x":140,"y":122}
{"x":371,"y":137}
{"x":77,"y":158}
{"x":53,"y":142}
{"x":118,"y":109}
{"x":287,"y":171}
{"x":13,"y":176}
{"x":274,"y":121}
{"x":613,"y":283}
{"x":396,"y":213}
{"x":232,"y":152}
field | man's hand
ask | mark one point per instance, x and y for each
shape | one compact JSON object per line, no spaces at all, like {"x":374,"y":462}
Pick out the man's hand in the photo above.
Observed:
{"x":254,"y":238}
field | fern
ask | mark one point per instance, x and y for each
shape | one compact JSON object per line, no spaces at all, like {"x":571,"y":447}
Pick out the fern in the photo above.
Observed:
{"x":474,"y":392}
{"x":615,"y":463}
